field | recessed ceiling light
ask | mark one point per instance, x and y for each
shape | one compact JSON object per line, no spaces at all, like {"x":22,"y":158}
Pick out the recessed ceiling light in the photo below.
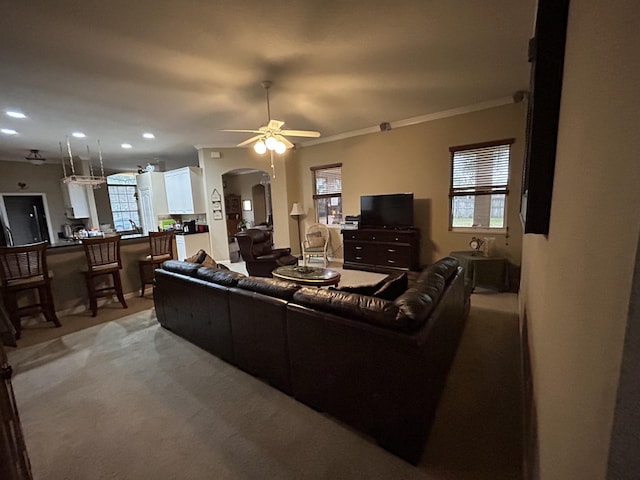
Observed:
{"x":15,"y":114}
{"x":8,"y":131}
{"x":78,"y":134}
{"x":126,"y":145}
{"x":148,"y":135}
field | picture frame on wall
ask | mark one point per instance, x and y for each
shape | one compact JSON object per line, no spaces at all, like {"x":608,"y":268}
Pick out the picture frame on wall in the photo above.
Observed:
{"x":217,"y":215}
{"x":546,"y":54}
{"x":217,"y":206}
{"x":215,"y":196}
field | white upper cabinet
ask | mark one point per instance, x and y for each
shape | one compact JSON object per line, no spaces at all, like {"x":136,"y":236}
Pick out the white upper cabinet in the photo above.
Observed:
{"x":185,"y":190}
{"x":76,"y":201}
{"x":152,"y":196}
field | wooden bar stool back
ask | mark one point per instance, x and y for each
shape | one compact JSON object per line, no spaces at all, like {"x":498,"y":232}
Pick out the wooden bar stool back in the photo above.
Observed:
{"x":24,"y":268}
{"x":103,"y":259}
{"x":160,"y":249}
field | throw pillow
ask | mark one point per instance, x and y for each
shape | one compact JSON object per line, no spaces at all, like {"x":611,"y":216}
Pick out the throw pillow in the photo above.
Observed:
{"x":197,"y":258}
{"x":203,"y":259}
{"x":315,"y":240}
{"x":393,"y":287}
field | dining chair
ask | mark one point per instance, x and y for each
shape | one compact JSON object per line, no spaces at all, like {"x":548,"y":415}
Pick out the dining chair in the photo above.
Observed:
{"x":160,"y":249}
{"x":24,"y":268}
{"x":103,"y":259}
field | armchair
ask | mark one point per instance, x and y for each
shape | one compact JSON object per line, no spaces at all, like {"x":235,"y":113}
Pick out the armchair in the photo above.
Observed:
{"x":257,"y":252}
{"x":316,"y":243}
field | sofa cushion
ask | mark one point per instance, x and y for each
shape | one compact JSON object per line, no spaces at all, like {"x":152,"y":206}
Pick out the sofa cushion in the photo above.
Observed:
{"x":432,"y":284}
{"x":362,"y":289}
{"x":368,"y":309}
{"x":414,"y":308}
{"x":184,"y":268}
{"x":446,"y":267}
{"x":269,"y":286}
{"x":394,"y":286}
{"x":220,"y":276}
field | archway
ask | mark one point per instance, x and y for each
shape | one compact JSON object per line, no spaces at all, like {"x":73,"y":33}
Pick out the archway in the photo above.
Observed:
{"x":247,"y":202}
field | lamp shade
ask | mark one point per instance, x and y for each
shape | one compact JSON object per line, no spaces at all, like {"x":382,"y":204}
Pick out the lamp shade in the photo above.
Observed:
{"x":296,"y":210}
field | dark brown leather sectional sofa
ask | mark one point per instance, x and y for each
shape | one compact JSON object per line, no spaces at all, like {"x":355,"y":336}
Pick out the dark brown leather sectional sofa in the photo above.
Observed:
{"x":378,"y":365}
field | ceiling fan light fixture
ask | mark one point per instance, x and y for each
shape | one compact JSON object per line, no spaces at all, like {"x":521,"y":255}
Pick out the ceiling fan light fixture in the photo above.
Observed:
{"x":35,"y":158}
{"x":271,"y":143}
{"x":260,"y":147}
{"x":280,"y":147}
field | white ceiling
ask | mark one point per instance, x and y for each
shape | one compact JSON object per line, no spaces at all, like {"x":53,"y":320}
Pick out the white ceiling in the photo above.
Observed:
{"x":185,"y":70}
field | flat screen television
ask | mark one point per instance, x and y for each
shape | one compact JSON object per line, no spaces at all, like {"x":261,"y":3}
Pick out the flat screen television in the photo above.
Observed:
{"x":387,"y":211}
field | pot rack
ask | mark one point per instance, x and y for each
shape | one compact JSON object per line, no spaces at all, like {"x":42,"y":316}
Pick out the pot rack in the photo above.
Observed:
{"x":92,"y":179}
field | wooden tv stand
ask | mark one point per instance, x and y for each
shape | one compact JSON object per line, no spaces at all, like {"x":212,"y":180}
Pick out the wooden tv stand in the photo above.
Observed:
{"x":381,"y":249}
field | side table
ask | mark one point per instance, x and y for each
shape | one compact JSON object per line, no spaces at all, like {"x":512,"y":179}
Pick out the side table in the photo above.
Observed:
{"x":486,"y":272}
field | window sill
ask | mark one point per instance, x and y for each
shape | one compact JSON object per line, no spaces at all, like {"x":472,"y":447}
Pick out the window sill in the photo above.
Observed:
{"x":492,"y":231}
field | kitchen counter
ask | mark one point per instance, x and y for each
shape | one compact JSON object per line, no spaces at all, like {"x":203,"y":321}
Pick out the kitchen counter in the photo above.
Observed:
{"x":67,"y":262}
{"x":73,"y":242}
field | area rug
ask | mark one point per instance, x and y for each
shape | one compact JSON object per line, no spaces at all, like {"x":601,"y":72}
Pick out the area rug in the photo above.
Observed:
{"x":128,"y":399}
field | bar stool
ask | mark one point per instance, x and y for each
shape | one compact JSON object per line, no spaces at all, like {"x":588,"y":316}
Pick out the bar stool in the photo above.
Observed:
{"x":24,"y":268}
{"x":103,"y":258}
{"x":160,"y":249}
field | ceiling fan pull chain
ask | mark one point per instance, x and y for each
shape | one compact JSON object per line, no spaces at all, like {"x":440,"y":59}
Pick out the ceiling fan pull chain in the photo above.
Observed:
{"x":273,"y":169}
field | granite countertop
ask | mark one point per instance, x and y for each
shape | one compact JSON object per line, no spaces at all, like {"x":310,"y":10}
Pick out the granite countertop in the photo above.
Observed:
{"x":73,"y":242}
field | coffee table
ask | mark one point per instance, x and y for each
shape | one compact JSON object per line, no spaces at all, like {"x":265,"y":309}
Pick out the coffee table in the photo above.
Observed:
{"x":312,"y":276}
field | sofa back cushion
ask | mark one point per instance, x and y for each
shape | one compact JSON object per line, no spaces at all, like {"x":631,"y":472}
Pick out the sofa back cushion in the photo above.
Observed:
{"x":446,"y":267}
{"x":353,"y":306}
{"x":220,"y":276}
{"x":414,"y":308}
{"x":269,"y":286}
{"x":184,"y":268}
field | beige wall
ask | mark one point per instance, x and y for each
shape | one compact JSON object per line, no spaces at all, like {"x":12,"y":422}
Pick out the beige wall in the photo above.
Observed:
{"x":238,"y":158}
{"x":39,"y":179}
{"x":46,"y":179}
{"x":576,"y":281}
{"x":417,"y":159}
{"x":408,"y":159}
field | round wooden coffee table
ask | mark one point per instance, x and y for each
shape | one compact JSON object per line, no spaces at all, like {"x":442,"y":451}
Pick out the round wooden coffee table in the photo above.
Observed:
{"x":312,"y":276}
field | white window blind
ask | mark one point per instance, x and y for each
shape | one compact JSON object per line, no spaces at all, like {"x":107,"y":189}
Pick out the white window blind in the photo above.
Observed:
{"x":327,"y":193}
{"x":480,"y":185}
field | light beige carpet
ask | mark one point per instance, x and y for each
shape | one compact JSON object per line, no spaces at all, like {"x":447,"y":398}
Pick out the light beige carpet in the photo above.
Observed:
{"x":127,"y":399}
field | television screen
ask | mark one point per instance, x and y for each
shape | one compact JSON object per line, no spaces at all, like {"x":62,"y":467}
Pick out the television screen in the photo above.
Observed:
{"x":387,"y":211}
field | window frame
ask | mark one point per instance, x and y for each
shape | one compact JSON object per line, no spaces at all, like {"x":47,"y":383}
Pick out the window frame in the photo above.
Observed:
{"x":326,"y":196}
{"x":480,"y":190}
{"x":133,"y":185}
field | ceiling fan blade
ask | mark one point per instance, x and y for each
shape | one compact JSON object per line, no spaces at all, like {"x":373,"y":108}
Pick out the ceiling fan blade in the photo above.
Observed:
{"x":242,"y":131}
{"x":301,"y":133}
{"x":275,"y":124}
{"x":284,"y":140}
{"x":249,"y":140}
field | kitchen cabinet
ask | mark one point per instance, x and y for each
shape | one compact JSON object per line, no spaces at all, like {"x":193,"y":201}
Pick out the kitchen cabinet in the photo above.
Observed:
{"x":152,"y":196}
{"x":76,"y":200}
{"x":185,"y":190}
{"x":188,"y":245}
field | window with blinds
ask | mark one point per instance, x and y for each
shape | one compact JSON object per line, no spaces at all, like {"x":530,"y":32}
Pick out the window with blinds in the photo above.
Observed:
{"x":124,"y":202}
{"x":327,"y":193}
{"x":479,"y":186}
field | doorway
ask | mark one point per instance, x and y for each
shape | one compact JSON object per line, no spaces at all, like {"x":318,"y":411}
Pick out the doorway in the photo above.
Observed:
{"x":25,"y":218}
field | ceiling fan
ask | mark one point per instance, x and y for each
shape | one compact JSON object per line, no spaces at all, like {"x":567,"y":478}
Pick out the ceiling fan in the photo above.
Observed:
{"x":271,"y":137}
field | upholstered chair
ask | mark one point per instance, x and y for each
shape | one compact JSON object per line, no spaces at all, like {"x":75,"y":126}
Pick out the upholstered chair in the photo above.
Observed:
{"x":256,"y":248}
